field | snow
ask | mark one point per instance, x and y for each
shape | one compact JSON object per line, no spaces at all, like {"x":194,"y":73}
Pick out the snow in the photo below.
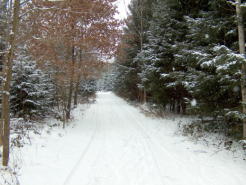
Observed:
{"x":236,"y":89}
{"x":196,"y":52}
{"x":207,"y":36}
{"x":122,"y":6}
{"x":113,"y":143}
{"x":163,"y":75}
{"x":193,"y":102}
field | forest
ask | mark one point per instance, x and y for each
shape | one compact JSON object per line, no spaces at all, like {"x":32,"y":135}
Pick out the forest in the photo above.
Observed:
{"x":183,"y":57}
{"x":100,"y":99}
{"x":51,"y":56}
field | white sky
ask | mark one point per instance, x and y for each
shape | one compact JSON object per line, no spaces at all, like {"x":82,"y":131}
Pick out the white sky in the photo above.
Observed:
{"x":122,"y":8}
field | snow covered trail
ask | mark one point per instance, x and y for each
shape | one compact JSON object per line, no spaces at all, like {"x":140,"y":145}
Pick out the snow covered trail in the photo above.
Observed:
{"x":114,"y":144}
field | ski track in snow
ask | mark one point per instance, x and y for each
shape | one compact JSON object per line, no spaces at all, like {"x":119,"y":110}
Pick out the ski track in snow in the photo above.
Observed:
{"x":114,"y":144}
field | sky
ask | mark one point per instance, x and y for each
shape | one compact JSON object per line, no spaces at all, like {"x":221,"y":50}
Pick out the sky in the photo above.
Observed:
{"x":122,"y":8}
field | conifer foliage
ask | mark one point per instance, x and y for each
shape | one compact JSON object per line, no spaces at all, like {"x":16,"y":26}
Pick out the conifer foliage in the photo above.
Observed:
{"x":32,"y":90}
{"x":189,"y":54}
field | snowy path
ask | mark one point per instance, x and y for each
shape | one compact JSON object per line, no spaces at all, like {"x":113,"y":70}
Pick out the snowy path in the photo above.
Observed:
{"x":114,"y":144}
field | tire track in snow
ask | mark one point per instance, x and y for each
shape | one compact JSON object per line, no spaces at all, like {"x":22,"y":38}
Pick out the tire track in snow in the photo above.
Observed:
{"x":146,"y":139}
{"x":83,"y":154}
{"x":102,"y":153}
{"x":98,"y":135}
{"x":140,"y":141}
{"x":133,"y":139}
{"x":118,"y":145}
{"x":180,"y":164}
{"x":152,"y":142}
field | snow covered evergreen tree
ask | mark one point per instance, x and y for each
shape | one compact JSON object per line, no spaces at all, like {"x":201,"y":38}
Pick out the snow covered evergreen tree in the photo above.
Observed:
{"x":3,"y":30}
{"x":188,"y":55}
{"x":213,"y":76}
{"x":134,"y":37}
{"x":87,"y":88}
{"x":158,"y":68}
{"x":107,"y":80}
{"x":32,"y":90}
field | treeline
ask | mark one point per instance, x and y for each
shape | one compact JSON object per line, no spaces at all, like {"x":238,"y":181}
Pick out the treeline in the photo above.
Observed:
{"x":51,"y":54}
{"x":58,"y":52}
{"x":183,"y":56}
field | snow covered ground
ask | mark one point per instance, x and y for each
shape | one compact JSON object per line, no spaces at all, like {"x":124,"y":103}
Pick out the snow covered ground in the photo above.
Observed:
{"x":112,"y":143}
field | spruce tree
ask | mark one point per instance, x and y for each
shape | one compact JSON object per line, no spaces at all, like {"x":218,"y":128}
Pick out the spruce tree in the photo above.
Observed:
{"x":132,"y":42}
{"x":32,"y":90}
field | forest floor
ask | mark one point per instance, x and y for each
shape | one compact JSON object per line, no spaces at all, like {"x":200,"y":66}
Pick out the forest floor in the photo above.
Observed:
{"x":113,"y":143}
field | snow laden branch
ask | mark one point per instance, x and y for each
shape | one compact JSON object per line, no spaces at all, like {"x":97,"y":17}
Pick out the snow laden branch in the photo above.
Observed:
{"x":234,"y":3}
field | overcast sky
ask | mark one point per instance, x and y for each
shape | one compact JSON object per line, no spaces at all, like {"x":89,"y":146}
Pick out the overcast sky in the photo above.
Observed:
{"x":122,"y":7}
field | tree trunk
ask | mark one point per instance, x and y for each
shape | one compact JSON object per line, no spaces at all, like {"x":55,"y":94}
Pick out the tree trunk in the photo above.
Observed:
{"x":3,"y":9}
{"x":70,"y":94}
{"x":6,"y":86}
{"x":76,"y":91}
{"x":78,"y":80}
{"x":183,"y":105}
{"x":144,"y":96}
{"x":241,"y":40}
{"x":178,"y":106}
